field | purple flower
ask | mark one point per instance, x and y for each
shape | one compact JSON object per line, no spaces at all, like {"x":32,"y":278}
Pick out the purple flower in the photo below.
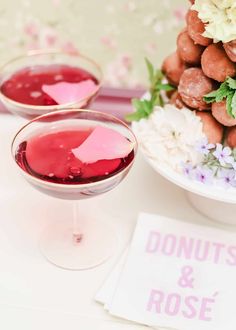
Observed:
{"x":227,"y":177}
{"x":223,"y":155}
{"x":187,"y":169}
{"x":204,"y":147}
{"x":204,"y":175}
{"x":234,"y":166}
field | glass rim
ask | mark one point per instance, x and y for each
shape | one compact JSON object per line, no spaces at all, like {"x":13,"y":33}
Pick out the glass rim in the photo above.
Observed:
{"x":48,"y":52}
{"x":74,"y":186}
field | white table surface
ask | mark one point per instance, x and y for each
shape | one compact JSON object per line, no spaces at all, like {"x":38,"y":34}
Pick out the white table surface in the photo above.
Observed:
{"x":34,"y":294}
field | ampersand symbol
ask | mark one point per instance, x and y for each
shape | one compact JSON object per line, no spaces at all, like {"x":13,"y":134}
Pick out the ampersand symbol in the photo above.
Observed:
{"x":185,"y":280}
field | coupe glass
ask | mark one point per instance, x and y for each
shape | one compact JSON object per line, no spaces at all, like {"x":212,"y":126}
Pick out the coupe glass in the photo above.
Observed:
{"x":47,"y":58}
{"x":83,"y":242}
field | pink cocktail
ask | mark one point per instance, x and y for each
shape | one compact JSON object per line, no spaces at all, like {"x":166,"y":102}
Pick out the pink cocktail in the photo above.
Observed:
{"x":73,"y":155}
{"x":45,"y":81}
{"x":26,"y":85}
{"x":49,"y":157}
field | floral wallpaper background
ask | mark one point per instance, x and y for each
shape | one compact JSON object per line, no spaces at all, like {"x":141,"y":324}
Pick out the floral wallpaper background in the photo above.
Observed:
{"x":118,"y":34}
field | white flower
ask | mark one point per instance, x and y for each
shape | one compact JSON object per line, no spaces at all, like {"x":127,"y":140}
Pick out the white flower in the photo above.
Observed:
{"x":220,"y":18}
{"x":169,"y":136}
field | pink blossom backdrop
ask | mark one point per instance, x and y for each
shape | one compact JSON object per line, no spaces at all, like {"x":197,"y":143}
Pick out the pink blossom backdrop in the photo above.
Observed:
{"x":118,"y":34}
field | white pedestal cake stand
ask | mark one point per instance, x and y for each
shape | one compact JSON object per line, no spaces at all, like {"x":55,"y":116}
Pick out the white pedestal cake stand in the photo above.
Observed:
{"x":215,"y":202}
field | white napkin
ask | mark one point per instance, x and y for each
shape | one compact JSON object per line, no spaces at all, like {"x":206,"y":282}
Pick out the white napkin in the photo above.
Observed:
{"x":106,"y":292}
{"x":176,"y":275}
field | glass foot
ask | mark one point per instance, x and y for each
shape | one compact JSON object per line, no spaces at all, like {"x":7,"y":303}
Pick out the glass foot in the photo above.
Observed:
{"x":96,"y":243}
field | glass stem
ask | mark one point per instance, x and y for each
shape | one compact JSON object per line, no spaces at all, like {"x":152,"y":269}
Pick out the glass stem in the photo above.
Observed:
{"x":76,"y":231}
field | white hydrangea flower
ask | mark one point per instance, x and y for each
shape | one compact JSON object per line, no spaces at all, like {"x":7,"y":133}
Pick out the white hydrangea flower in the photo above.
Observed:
{"x":220,"y":18}
{"x":169,"y":136}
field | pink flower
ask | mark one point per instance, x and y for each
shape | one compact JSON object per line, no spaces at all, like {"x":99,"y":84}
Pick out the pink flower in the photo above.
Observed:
{"x":126,"y":60}
{"x":31,"y":29}
{"x":70,"y":48}
{"x":50,"y":38}
{"x":108,"y":42}
{"x":118,"y":71}
{"x":180,"y":13}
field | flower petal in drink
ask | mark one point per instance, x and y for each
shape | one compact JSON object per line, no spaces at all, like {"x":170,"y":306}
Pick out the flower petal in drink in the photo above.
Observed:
{"x":65,"y":92}
{"x":103,"y":143}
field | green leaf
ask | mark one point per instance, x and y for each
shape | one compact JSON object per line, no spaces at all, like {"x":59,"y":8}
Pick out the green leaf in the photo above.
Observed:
{"x":161,"y":101}
{"x":137,"y":104}
{"x":233,"y":105}
{"x":158,"y":76}
{"x":211,"y":94}
{"x":209,"y":98}
{"x":145,"y":107}
{"x":229,"y":104}
{"x":222,"y":92}
{"x":135,"y":116}
{"x":231,"y":82}
{"x":143,"y":110}
{"x":164,"y":87}
{"x":150,"y":70}
{"x":227,"y":90}
{"x":157,"y":100}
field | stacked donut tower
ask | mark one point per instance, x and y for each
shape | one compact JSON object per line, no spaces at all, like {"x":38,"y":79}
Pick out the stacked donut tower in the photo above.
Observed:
{"x":198,"y":67}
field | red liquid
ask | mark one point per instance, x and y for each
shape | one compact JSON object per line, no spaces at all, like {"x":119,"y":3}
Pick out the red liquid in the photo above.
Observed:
{"x":49,"y":157}
{"x":25,"y":85}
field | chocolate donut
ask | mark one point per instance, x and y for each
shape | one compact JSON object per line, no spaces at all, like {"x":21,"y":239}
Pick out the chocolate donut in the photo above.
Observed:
{"x":196,"y":28}
{"x":193,"y":86}
{"x":189,"y":51}
{"x":211,"y":127}
{"x":173,"y":67}
{"x":216,"y":64}
{"x":219,"y":111}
